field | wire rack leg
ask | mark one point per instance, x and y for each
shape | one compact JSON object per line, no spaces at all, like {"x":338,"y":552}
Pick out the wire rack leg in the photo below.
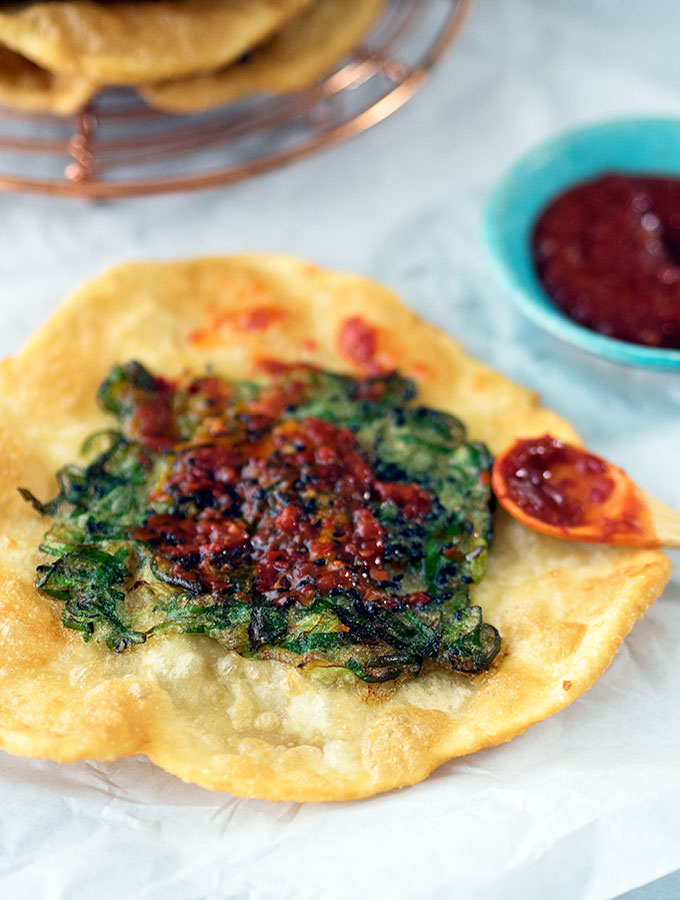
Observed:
{"x":81,"y":148}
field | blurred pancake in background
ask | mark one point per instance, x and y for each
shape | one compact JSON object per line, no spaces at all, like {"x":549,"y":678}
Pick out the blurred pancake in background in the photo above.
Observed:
{"x":25,"y":85}
{"x":134,"y":42}
{"x":292,"y":59}
{"x":181,"y":56}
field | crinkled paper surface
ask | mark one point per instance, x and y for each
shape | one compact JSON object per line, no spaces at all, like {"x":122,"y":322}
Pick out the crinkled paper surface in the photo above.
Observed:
{"x":584,"y":805}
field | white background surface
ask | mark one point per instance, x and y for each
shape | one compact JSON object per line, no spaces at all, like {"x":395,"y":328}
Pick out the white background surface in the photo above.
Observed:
{"x":585,"y":805}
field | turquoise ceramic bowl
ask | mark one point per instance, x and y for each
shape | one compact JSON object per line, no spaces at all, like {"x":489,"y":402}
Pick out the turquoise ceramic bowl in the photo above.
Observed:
{"x":649,"y":146}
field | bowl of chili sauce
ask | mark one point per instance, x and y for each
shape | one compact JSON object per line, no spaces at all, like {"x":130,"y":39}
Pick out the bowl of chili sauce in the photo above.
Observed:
{"x":584,"y":232}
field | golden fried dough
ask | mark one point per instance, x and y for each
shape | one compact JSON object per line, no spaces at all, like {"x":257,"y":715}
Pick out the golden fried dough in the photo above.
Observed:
{"x":261,"y":728}
{"x":148,"y":40}
{"x":292,"y":59}
{"x":24,"y":85}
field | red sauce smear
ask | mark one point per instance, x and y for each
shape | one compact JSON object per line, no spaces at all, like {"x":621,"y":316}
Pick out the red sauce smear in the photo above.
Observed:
{"x":286,"y":502}
{"x":254,"y":318}
{"x":358,"y":342}
{"x":568,"y":492}
{"x":153,"y":419}
{"x":608,"y":254}
{"x":258,"y":318}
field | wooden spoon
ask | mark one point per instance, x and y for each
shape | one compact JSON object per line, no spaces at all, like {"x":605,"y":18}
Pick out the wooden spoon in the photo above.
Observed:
{"x":567,"y":492}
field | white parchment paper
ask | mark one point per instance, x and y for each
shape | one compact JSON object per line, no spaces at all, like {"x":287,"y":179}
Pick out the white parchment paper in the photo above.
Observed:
{"x":586,"y":804}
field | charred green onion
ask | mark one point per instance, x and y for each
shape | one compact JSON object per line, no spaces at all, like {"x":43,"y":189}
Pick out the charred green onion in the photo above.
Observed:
{"x":314,"y":518}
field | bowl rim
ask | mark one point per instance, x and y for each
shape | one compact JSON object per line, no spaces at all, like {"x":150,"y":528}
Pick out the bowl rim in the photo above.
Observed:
{"x":533,"y":301}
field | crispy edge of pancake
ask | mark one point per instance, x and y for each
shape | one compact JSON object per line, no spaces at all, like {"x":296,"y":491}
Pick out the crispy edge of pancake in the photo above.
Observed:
{"x":294,"y":58}
{"x":128,"y":43}
{"x":261,"y":728}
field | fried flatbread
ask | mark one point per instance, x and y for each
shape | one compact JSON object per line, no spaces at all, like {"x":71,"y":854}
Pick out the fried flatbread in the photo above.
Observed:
{"x":132,"y":42}
{"x":23,"y":85}
{"x":260,"y":728}
{"x":293,"y":59}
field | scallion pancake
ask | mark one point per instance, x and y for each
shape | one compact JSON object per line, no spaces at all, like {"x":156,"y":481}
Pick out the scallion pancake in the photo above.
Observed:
{"x":261,"y":727}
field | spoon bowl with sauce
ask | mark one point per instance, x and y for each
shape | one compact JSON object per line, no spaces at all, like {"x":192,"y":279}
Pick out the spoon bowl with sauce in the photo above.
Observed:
{"x":585,"y":234}
{"x":567,"y":492}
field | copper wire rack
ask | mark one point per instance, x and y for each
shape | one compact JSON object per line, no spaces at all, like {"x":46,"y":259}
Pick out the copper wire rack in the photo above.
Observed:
{"x":120,"y":147}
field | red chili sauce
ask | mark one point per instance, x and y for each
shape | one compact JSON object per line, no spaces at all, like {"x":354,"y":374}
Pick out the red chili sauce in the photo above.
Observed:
{"x":358,"y":342}
{"x":286,"y":501}
{"x":153,"y":419}
{"x":608,"y":254}
{"x":555,"y":482}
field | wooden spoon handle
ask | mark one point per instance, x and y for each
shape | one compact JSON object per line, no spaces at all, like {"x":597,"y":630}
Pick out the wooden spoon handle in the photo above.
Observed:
{"x":666,"y":521}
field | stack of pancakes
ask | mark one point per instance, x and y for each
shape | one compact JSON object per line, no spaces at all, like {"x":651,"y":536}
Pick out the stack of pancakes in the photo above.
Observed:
{"x":181,"y":55}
